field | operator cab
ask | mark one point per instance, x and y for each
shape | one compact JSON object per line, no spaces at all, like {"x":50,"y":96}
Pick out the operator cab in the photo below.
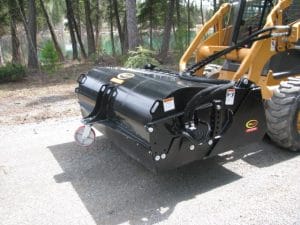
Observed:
{"x":250,"y":17}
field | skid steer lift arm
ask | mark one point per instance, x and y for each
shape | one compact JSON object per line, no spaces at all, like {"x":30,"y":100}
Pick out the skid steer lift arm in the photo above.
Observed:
{"x":272,"y":39}
{"x":281,"y":31}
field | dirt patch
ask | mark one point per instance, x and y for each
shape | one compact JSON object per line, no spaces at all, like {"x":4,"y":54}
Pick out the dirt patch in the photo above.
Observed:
{"x":40,"y":97}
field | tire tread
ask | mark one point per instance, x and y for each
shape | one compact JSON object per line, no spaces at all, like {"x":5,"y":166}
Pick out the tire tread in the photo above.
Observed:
{"x":279,"y":114}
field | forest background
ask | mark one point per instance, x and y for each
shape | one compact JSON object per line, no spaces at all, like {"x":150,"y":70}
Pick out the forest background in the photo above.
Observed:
{"x":43,"y":35}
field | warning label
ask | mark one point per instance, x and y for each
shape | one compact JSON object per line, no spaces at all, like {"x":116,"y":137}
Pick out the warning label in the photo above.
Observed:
{"x":168,"y":104}
{"x":230,"y":95}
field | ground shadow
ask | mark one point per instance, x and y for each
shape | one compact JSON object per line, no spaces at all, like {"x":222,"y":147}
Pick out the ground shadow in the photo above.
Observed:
{"x":261,"y":154}
{"x":116,"y":189}
{"x":51,"y":99}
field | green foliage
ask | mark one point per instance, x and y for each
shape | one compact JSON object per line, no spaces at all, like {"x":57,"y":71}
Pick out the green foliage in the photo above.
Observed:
{"x":149,"y":12}
{"x":11,"y":72}
{"x":157,"y":14}
{"x":4,"y":18}
{"x":180,"y":40}
{"x":140,"y":58}
{"x":49,"y":57}
{"x":156,"y":10}
{"x":56,"y":10}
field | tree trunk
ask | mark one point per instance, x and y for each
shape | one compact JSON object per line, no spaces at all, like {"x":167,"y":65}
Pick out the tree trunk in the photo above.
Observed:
{"x":119,"y":27}
{"x":201,"y":12}
{"x":1,"y":55}
{"x":15,"y":43}
{"x":178,"y":13}
{"x":53,"y":35}
{"x":188,"y":38}
{"x":20,"y":6}
{"x":77,"y":15}
{"x":98,"y":26}
{"x":215,"y":5}
{"x":167,"y":32}
{"x":132,"y":29}
{"x":112,"y":28}
{"x":72,"y":33}
{"x":72,"y":19}
{"x":178,"y":27}
{"x":89,"y":29}
{"x":32,"y":28}
{"x":151,"y":23}
{"x":125,"y":33}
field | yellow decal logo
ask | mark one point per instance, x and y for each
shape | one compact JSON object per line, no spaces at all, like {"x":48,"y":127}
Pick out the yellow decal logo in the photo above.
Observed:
{"x":251,"y":124}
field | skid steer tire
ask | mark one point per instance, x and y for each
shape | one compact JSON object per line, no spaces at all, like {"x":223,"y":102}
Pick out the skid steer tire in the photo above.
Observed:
{"x":283,"y":115}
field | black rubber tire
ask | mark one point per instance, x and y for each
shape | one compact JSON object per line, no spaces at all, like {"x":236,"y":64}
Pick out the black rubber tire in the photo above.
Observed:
{"x":282,"y":114}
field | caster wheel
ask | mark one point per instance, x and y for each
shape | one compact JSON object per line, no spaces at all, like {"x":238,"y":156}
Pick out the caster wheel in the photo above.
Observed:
{"x":85,"y":136}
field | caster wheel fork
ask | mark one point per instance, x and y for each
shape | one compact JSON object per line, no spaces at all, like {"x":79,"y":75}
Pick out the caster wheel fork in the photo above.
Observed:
{"x":85,"y":135}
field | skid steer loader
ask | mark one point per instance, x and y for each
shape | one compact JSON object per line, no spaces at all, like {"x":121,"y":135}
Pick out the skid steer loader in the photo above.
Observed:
{"x":167,"y":119}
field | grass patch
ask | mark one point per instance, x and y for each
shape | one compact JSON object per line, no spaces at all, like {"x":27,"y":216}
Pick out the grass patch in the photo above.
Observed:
{"x":12,"y":72}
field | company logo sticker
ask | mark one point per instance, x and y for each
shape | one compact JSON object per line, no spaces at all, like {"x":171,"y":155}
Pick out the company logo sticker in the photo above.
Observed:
{"x":116,"y":80}
{"x":125,"y":76}
{"x":251,"y":126}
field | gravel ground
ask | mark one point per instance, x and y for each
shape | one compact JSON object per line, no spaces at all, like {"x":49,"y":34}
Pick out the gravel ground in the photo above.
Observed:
{"x":36,"y":100}
{"x":45,"y":178}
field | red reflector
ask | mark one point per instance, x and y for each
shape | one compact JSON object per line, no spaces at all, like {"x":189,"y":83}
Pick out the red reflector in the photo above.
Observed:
{"x":251,"y":129}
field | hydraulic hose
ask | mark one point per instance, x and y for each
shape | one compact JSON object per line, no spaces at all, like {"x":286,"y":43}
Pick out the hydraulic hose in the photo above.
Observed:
{"x":186,"y":77}
{"x":202,"y":79}
{"x":250,"y":39}
{"x":202,"y":97}
{"x":199,"y":95}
